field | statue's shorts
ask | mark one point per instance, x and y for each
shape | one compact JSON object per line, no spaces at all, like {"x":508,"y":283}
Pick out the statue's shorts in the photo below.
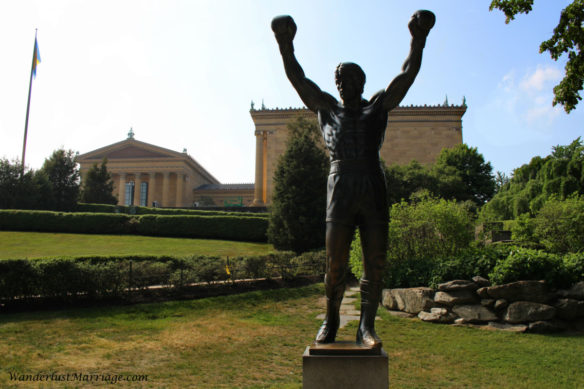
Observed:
{"x":356,"y":193}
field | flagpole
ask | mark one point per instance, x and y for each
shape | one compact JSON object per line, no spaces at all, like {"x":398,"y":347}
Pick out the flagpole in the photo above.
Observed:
{"x":34,"y":56}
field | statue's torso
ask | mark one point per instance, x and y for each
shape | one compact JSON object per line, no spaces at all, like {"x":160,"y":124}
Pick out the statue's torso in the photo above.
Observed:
{"x":352,"y":134}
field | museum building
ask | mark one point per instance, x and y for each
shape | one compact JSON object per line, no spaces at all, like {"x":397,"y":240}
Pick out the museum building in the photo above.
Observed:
{"x":149,"y":175}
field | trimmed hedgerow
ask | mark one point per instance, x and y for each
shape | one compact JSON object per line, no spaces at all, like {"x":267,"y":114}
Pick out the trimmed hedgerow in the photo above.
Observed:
{"x":66,"y":278}
{"x":248,"y":228}
{"x":107,"y":208}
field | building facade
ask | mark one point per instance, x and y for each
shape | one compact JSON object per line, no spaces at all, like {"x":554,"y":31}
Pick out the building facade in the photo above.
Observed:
{"x":412,"y":133}
{"x":149,"y":175}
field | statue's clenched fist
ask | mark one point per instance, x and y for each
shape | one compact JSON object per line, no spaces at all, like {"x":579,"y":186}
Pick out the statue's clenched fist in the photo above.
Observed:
{"x":421,"y":23}
{"x":284,"y":28}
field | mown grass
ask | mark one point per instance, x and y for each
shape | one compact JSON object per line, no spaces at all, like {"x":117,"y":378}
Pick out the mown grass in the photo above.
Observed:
{"x":15,"y":245}
{"x":256,"y":340}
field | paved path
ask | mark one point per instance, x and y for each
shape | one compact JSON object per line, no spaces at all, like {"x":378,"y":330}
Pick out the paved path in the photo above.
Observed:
{"x":348,"y":311}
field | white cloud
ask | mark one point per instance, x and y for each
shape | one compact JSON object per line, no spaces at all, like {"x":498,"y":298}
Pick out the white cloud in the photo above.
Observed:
{"x":540,"y":79}
{"x":528,"y":96}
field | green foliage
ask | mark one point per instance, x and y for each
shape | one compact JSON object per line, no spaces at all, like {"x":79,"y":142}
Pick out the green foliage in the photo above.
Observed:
{"x":466,"y":174}
{"x":31,"y":191}
{"x":459,"y":173}
{"x":529,"y":264}
{"x":422,"y":232}
{"x":63,"y":175}
{"x":568,"y":38}
{"x":246,"y":228}
{"x":98,"y":185}
{"x":559,"y":225}
{"x":356,"y":256}
{"x":297,"y":219}
{"x":67,"y":278}
{"x":106,"y":208}
{"x":560,"y":174}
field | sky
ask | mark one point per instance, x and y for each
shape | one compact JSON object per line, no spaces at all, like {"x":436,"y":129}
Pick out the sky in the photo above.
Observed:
{"x":182,"y":74}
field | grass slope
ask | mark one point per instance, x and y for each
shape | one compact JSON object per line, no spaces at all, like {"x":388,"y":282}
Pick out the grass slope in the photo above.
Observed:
{"x":14,"y":245}
{"x":256,"y":340}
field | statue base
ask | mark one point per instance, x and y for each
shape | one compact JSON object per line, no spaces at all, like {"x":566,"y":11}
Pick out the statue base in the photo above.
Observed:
{"x":344,"y":365}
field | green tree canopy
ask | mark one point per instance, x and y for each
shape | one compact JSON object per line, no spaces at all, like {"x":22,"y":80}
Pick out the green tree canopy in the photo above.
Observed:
{"x":297,"y":217}
{"x":568,"y":38}
{"x":559,"y":175}
{"x":98,"y":185}
{"x":62,"y":173}
{"x":464,"y":175}
{"x":29,"y":191}
{"x":460,"y":173}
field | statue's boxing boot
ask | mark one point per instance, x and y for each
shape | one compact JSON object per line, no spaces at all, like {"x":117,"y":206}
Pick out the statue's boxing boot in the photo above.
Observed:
{"x":370,"y":295}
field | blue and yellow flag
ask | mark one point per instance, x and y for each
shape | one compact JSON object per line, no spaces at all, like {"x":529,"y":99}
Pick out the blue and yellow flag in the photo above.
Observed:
{"x":36,"y":57}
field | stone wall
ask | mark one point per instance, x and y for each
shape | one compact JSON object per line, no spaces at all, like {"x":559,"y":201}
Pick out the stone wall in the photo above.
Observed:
{"x":523,"y":306}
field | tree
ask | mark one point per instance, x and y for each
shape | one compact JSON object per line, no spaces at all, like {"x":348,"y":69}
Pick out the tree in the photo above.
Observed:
{"x":560,"y":174}
{"x":297,"y":217}
{"x":98,"y":185}
{"x":463,"y":175}
{"x":568,"y":38}
{"x":62,"y":173}
{"x":28,"y":191}
{"x":405,"y":180}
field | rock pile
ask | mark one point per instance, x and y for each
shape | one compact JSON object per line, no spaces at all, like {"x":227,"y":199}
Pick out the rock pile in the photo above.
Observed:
{"x":522,"y":306}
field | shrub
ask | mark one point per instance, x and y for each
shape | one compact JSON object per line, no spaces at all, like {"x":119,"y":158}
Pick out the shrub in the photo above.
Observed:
{"x":529,"y":264}
{"x":559,"y":225}
{"x":422,"y":232}
{"x":248,"y":228}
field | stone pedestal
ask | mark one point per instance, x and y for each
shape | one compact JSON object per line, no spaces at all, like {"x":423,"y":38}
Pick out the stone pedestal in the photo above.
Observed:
{"x":344,"y":365}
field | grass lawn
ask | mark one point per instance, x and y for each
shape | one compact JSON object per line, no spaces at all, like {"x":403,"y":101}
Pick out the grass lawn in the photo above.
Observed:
{"x":16,"y":245}
{"x":256,"y":340}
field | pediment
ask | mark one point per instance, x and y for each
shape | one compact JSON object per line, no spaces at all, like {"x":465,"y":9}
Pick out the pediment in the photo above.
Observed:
{"x":131,"y":152}
{"x":130,"y":149}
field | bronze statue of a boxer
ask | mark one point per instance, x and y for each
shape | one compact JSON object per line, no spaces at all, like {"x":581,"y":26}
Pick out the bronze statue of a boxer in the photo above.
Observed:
{"x":353,"y":132}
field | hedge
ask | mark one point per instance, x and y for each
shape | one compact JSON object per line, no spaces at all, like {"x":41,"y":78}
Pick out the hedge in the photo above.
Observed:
{"x":248,"y":228}
{"x":107,"y":208}
{"x":67,"y":278}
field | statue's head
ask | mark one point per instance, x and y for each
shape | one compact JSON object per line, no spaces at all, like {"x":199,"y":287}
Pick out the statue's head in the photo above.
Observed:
{"x":350,"y":80}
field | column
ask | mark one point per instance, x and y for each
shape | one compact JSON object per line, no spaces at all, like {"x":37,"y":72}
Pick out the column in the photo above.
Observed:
{"x":259,"y":170}
{"x":165,"y":181}
{"x":137,"y":182}
{"x":122,"y":189}
{"x":151,"y":183}
{"x":179,"y":189}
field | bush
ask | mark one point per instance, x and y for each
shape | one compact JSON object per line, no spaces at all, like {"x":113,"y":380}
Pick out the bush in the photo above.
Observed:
{"x":422,"y":232}
{"x":248,"y":228}
{"x":105,"y":208}
{"x":529,"y":264}
{"x":559,"y":225}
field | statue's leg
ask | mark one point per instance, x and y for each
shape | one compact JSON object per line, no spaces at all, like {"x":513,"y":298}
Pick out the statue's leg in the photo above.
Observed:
{"x":374,"y":244}
{"x":338,"y":245}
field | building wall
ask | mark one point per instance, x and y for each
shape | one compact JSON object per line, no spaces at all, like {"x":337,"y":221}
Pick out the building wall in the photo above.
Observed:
{"x":412,"y":133}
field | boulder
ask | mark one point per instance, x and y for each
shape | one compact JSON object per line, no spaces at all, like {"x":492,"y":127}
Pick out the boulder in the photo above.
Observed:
{"x":436,"y":316}
{"x":489,"y":303}
{"x":545,"y":327}
{"x":411,"y":300}
{"x":501,"y":304}
{"x":455,"y":297}
{"x":483,"y":292}
{"x":474,"y":313}
{"x":576,"y":291}
{"x":534,"y":291}
{"x":570,"y":309}
{"x":526,"y":311}
{"x":481,"y":281}
{"x":401,"y":314}
{"x":493,"y":325}
{"x":458,"y":285}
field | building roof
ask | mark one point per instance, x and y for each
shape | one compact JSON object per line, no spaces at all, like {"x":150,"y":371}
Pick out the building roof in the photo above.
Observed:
{"x":131,"y":148}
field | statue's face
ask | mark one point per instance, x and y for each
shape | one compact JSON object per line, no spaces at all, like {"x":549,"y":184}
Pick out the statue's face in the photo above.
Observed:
{"x":349,"y":85}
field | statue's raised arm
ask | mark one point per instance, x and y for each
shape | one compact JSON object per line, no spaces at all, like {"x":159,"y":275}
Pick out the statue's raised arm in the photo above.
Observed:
{"x":420,"y":24}
{"x":315,"y":99}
